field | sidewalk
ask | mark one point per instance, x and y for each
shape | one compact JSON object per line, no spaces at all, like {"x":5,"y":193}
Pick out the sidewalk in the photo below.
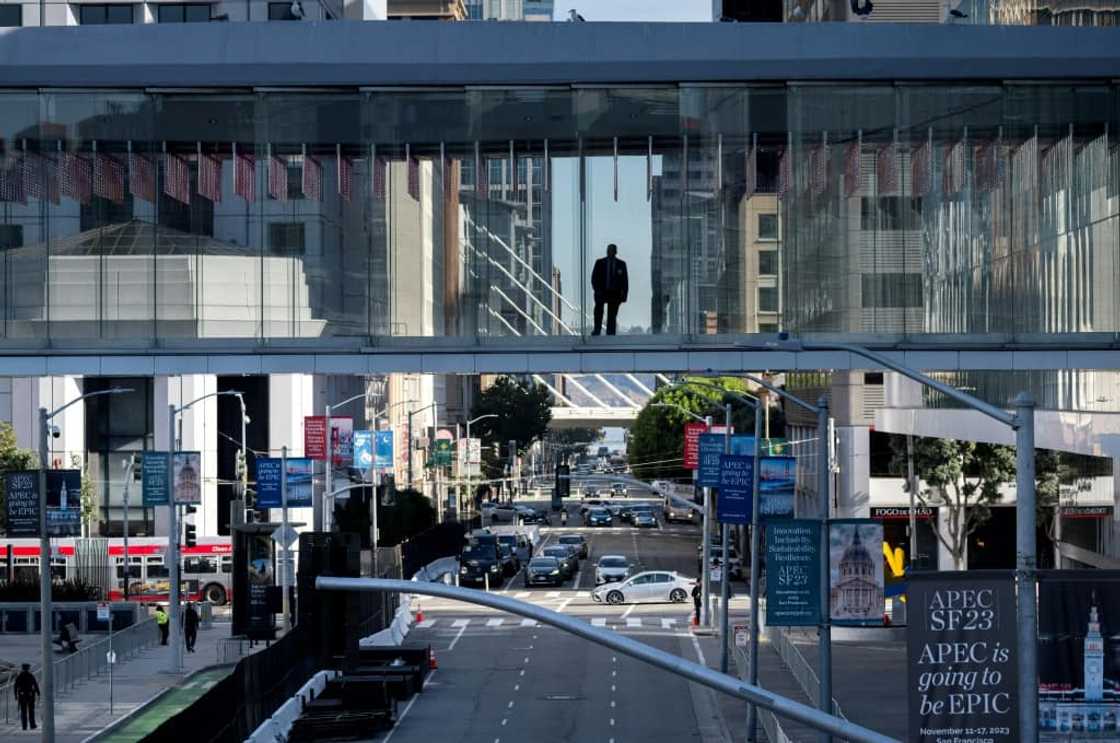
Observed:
{"x":84,"y":710}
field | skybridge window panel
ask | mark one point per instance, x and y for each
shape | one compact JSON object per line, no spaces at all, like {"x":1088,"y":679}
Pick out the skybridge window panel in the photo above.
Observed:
{"x":101,"y":273}
{"x":24,"y":270}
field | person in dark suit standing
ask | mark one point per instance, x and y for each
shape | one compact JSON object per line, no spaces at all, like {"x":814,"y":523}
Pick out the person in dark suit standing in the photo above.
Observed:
{"x":26,"y":689}
{"x":611,"y":285}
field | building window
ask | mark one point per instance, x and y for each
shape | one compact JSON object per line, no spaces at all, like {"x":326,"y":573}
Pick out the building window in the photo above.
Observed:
{"x":767,"y":327}
{"x":282,"y":12}
{"x":11,"y":15}
{"x":286,"y":238}
{"x":184,"y":13}
{"x":99,"y":15}
{"x":890,"y":213}
{"x":768,"y":263}
{"x":768,"y":299}
{"x":11,"y":236}
{"x":767,"y":226}
{"x":884,"y":290}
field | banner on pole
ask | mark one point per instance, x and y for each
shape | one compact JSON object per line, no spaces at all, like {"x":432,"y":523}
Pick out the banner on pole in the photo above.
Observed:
{"x":64,"y":503}
{"x":269,"y":494}
{"x":155,"y":470}
{"x":961,"y":641}
{"x":793,"y":573}
{"x":692,"y":432}
{"x":777,"y":486}
{"x":186,"y":474}
{"x":342,"y":441}
{"x":710,"y":451}
{"x":363,"y":450}
{"x":1079,"y":655}
{"x":856,"y":572}
{"x":21,"y":491}
{"x":736,"y":488}
{"x":315,"y":437}
{"x":383,"y":449}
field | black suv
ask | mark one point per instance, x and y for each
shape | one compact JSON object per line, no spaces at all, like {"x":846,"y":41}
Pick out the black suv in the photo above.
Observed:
{"x":478,"y":561}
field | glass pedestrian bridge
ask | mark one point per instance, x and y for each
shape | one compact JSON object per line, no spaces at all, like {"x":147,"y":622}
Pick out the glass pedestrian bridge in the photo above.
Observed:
{"x":408,"y":196}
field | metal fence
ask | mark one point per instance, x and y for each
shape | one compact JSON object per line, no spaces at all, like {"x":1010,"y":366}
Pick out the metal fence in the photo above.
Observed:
{"x":795,"y":661}
{"x":89,"y":661}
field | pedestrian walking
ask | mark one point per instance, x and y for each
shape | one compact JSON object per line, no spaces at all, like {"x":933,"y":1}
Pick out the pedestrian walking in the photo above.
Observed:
{"x":162,"y":622}
{"x":697,"y":597}
{"x":190,"y":626}
{"x":611,"y":287}
{"x":26,"y":690}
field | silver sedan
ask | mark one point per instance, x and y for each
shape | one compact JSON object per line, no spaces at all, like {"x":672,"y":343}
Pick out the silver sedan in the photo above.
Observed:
{"x":653,"y":586}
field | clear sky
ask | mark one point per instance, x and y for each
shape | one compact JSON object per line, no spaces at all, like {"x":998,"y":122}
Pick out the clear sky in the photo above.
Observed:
{"x":636,"y":10}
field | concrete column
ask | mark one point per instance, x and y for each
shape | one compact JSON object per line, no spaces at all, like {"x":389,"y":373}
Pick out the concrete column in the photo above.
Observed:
{"x":853,"y":484}
{"x":290,"y":398}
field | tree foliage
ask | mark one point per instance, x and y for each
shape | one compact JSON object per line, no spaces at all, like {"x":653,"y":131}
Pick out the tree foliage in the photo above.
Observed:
{"x":575,"y":436}
{"x":523,"y":413}
{"x":963,"y":478}
{"x":411,"y":513}
{"x":12,"y":459}
{"x":656,"y":445}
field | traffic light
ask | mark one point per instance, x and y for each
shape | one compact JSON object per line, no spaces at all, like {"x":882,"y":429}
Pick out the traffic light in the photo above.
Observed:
{"x":190,"y":531}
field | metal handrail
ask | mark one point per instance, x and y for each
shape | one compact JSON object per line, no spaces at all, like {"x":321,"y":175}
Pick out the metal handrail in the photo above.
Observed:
{"x":675,"y":664}
{"x":89,"y":661}
{"x":802,"y":672}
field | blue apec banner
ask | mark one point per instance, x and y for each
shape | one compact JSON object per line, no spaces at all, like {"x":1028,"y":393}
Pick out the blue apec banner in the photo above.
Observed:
{"x":155,"y":471}
{"x":736,"y":487}
{"x":363,"y":450}
{"x":22,"y":491}
{"x":793,"y":577}
{"x":711,"y":449}
{"x":269,"y":494}
{"x":383,"y":449}
{"x":777,"y":485}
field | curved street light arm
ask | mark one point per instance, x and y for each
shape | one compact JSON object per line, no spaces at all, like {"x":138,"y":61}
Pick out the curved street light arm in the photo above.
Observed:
{"x":113,"y":391}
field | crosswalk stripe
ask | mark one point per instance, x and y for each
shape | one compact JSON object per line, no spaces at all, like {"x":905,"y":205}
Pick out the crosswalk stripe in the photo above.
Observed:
{"x":599,"y":622}
{"x":668,"y":622}
{"x":460,"y":623}
{"x":553,"y":594}
{"x":583,"y":594}
{"x":494,"y":622}
{"x":425,"y":624}
{"x":523,"y":595}
{"x":633,"y":622}
{"x":528,"y":622}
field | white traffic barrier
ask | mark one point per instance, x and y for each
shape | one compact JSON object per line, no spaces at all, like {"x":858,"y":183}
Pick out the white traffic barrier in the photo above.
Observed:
{"x":277,"y":728}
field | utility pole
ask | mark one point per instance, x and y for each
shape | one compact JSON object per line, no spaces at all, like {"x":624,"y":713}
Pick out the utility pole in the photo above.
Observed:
{"x":173,"y":549}
{"x":912,"y":482}
{"x":706,"y":562}
{"x":45,"y":613}
{"x":725,"y":537}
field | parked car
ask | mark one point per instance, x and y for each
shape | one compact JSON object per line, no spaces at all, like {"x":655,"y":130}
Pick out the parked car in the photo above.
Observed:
{"x":569,"y":563}
{"x":648,"y":587}
{"x":599,"y":517}
{"x":575,"y":540}
{"x":644,"y":520}
{"x":611,"y":568}
{"x":544,"y":571}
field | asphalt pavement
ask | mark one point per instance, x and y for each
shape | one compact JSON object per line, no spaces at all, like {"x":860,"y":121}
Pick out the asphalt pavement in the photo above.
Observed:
{"x":504,"y":678}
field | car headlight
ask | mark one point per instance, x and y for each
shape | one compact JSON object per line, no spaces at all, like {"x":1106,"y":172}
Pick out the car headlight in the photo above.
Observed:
{"x":493,"y":568}
{"x":555,"y":572}
{"x":462,"y":571}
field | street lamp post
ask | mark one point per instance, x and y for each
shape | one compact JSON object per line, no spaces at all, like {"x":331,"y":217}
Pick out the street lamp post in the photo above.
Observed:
{"x":45,"y":611}
{"x":470,"y":495}
{"x":173,"y":558}
{"x":324,"y":514}
{"x":409,"y":442}
{"x":1022,"y":423}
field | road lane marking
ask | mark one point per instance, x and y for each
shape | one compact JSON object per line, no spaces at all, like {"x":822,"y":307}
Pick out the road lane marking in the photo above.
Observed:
{"x":456,"y":640}
{"x":634,"y":622}
{"x":529,"y":623}
{"x":504,"y":721}
{"x":575,"y":582}
{"x":553,"y":594}
{"x":526,"y":659}
{"x":523,"y":595}
{"x":612,"y":688}
{"x":599,"y":622}
{"x":517,"y":687}
{"x":612,"y":704}
{"x":522,"y":672}
{"x":494,"y":622}
{"x":668,"y":622}
{"x":427,"y":623}
{"x":460,"y":623}
{"x":407,"y":707}
{"x":628,"y":610}
{"x":699,"y":652}
{"x":583,"y":594}
{"x":510,"y":705}
{"x":564,"y":604}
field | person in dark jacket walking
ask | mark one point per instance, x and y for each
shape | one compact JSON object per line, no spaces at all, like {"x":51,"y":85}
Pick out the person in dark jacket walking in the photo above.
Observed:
{"x":26,"y":690}
{"x":697,"y":597}
{"x":611,"y":285}
{"x":190,"y":626}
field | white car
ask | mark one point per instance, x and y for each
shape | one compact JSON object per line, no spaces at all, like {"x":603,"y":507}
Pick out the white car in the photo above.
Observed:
{"x":611,"y":569}
{"x":652,"y":586}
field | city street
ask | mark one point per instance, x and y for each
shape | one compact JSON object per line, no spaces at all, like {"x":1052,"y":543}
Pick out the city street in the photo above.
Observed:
{"x":504,"y":678}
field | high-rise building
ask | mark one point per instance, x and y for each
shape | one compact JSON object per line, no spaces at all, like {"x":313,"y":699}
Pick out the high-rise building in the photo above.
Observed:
{"x":509,"y":10}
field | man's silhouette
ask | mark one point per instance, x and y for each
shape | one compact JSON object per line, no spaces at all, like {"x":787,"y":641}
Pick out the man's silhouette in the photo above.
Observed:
{"x":611,"y":286}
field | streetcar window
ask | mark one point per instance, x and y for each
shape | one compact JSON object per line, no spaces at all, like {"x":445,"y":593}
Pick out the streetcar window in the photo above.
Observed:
{"x":157,"y":571}
{"x":200,"y":565}
{"x":227,"y":564}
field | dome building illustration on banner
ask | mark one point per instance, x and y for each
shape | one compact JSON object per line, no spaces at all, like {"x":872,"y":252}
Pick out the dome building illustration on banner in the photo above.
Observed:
{"x":857,"y":594}
{"x":188,"y":486}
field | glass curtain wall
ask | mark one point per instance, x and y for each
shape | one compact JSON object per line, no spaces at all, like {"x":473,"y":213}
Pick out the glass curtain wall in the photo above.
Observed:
{"x":891,"y":211}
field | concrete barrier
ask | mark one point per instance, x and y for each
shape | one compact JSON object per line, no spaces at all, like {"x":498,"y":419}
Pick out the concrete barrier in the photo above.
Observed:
{"x":276,"y":728}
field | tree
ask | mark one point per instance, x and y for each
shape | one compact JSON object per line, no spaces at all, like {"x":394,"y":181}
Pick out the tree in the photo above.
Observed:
{"x":963,"y":479}
{"x":12,"y":459}
{"x":574,"y":436}
{"x":656,"y":445}
{"x":523,"y":412}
